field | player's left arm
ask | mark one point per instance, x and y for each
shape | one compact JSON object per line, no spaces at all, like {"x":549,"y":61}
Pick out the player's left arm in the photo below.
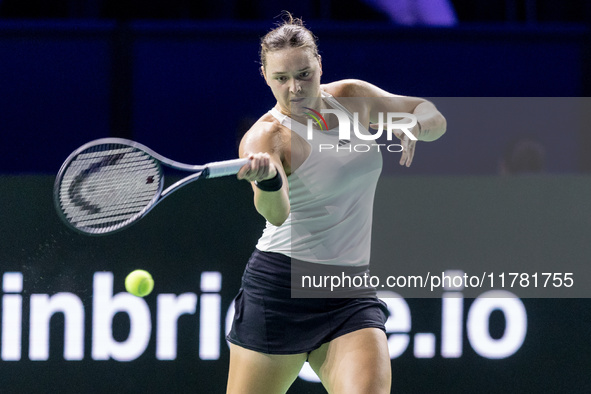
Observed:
{"x":431,"y":124}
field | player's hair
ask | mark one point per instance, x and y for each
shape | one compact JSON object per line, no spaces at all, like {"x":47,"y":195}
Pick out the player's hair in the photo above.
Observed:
{"x":291,"y":33}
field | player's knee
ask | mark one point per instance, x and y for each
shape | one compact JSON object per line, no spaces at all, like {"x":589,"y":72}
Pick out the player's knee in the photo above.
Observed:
{"x":370,"y":383}
{"x":369,"y":380}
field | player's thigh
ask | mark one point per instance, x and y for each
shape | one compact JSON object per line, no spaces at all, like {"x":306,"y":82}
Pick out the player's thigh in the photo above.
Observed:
{"x":357,"y":362}
{"x":260,"y":373}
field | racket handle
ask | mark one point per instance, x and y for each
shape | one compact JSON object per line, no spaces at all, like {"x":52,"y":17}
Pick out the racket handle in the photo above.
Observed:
{"x":225,"y":168}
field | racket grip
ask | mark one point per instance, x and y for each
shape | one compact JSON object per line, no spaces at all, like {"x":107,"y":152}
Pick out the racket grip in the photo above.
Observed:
{"x":225,"y":168}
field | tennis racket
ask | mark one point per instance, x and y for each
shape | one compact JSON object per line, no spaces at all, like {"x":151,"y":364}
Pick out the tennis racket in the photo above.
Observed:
{"x":108,"y":184}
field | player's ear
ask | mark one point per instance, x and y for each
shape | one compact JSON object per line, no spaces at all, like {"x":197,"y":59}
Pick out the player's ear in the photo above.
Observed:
{"x":320,"y":63}
{"x":264,"y":75}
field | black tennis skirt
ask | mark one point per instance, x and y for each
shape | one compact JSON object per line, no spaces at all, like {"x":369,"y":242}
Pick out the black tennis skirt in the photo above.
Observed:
{"x":267,"y":319}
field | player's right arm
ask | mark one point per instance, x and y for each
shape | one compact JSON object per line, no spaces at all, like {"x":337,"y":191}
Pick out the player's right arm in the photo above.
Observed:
{"x":264,"y":145}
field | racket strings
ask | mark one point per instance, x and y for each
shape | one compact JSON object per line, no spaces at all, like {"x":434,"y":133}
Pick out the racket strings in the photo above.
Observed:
{"x":113,"y":184}
{"x":105,"y":207}
{"x":106,"y":187}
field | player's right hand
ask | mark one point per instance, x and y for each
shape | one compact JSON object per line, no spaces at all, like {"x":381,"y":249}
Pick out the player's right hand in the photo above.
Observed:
{"x":259,"y":168}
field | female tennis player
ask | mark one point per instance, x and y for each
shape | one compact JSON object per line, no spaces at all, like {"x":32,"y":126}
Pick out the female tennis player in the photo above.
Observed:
{"x":318,"y":208}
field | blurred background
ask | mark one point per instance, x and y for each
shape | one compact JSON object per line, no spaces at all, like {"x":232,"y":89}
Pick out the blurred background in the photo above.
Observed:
{"x":182,"y":76}
{"x":508,"y":182}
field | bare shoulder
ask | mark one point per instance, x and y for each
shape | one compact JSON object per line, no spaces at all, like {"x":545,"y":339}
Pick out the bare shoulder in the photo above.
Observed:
{"x":355,"y":88}
{"x":265,"y":135}
{"x":375,"y":99}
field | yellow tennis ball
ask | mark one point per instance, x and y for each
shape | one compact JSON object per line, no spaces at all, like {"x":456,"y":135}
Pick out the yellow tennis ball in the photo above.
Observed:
{"x":139,"y":283}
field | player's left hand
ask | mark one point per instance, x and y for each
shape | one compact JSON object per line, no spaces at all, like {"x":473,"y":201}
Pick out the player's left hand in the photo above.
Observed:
{"x":408,"y":145}
{"x":408,"y":150}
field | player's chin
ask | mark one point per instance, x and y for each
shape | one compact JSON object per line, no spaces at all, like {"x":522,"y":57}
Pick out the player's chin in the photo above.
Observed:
{"x":298,"y":106}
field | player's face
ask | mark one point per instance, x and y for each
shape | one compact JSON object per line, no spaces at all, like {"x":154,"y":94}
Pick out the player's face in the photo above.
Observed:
{"x":293,"y":74}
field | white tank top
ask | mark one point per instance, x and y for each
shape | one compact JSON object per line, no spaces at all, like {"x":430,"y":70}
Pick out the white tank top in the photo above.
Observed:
{"x":331,"y":196}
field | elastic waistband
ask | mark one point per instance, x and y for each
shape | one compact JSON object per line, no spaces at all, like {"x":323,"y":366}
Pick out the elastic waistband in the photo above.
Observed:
{"x":303,"y":279}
